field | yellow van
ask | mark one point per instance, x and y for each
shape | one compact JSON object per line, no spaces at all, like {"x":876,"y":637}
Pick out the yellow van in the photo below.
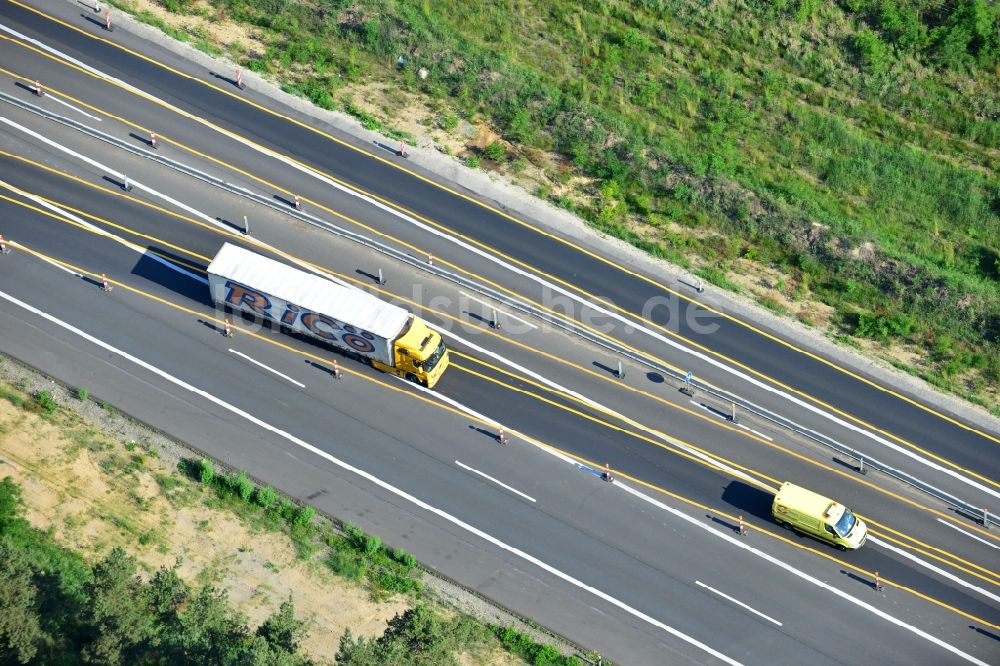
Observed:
{"x":802,"y":510}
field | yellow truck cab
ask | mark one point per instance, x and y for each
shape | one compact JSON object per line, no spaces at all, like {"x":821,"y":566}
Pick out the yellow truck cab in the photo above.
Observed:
{"x":804,"y":511}
{"x":420,"y":354}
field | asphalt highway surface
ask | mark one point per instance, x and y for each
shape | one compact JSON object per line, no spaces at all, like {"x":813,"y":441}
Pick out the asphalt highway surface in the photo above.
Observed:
{"x":649,"y":569}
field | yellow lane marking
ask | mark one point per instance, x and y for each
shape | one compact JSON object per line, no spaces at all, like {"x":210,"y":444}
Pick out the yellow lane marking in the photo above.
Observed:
{"x":739,"y":431}
{"x":459,"y":354}
{"x":448,"y":408}
{"x":536,"y":384}
{"x":926,"y":553}
{"x":891,"y":435}
{"x":539,"y":231}
{"x":786,"y":540}
{"x":65,"y":220}
{"x":662,"y":445}
{"x":956,"y":561}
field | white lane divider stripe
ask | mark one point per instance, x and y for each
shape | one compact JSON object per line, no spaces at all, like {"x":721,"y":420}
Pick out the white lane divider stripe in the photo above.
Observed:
{"x":505,"y":313}
{"x":269,"y":369}
{"x":938,"y":570}
{"x":968,"y":534}
{"x":55,"y":98}
{"x":738,"y":543}
{"x":377,"y":481}
{"x":499,"y":483}
{"x":738,"y":602}
{"x":531,"y":276}
{"x":596,"y":405}
{"x":756,"y":432}
{"x":97,"y":230}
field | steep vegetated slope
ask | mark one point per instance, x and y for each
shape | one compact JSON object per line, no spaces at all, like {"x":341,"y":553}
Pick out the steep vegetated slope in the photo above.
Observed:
{"x":846,"y":150}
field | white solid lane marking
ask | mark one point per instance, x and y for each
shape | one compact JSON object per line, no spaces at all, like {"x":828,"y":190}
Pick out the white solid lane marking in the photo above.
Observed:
{"x":499,"y":483}
{"x":935,"y":569}
{"x":377,"y":481}
{"x":968,"y":534}
{"x":756,"y":432}
{"x":606,"y":410}
{"x":514,"y":269}
{"x":737,"y":602}
{"x":84,"y":223}
{"x":269,"y":369}
{"x":739,"y":543}
{"x":117,"y":174}
{"x":54,"y":98}
{"x":504,"y":313}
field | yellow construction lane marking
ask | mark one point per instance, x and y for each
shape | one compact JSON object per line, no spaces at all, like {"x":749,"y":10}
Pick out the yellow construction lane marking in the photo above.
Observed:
{"x":507,"y":257}
{"x":473,"y":359}
{"x":459,"y":354}
{"x":956,"y":561}
{"x":462,"y":414}
{"x":738,"y":431}
{"x":926,"y":553}
{"x":552,"y":236}
{"x":649,"y":440}
{"x":780,"y":537}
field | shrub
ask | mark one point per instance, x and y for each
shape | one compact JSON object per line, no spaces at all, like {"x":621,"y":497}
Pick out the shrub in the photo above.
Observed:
{"x":404,"y":558}
{"x":348,"y":565}
{"x":372,"y":544}
{"x":884,"y":326}
{"x":265,"y":496}
{"x":241,"y":485}
{"x":447,"y":121}
{"x":873,"y":54}
{"x":472,"y":162}
{"x":47,"y":402}
{"x":304,"y":516}
{"x":82,"y":393}
{"x":495,"y":151}
{"x":206,"y":472}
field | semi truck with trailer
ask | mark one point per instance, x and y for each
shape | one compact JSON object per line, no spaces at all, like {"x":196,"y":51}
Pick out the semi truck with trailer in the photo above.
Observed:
{"x":380,"y":333}
{"x":804,"y":511}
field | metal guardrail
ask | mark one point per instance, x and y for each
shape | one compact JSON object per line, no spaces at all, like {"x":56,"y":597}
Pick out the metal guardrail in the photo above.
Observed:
{"x":983,"y":516}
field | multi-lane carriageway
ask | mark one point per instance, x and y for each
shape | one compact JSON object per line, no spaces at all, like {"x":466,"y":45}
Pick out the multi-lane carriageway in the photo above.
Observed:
{"x":648,"y":569}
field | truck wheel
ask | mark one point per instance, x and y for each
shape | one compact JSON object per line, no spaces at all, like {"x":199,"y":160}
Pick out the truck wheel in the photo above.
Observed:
{"x":410,"y":377}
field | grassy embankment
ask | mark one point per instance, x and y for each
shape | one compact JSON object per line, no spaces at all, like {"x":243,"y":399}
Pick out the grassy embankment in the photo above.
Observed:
{"x":108,"y":554}
{"x":833,"y":160}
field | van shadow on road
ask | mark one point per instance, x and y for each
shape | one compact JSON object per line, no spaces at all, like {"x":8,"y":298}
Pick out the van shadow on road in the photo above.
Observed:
{"x":748,"y":500}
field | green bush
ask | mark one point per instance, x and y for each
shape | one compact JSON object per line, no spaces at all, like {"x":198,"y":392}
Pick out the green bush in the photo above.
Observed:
{"x":265,"y":497}
{"x":348,"y":564}
{"x":873,"y":54}
{"x":304,"y":516}
{"x":82,"y":394}
{"x":206,"y":472}
{"x":447,"y":121}
{"x":372,"y":543}
{"x":884,"y":326}
{"x":241,"y":485}
{"x":495,"y":151}
{"x":472,"y":161}
{"x":47,"y":402}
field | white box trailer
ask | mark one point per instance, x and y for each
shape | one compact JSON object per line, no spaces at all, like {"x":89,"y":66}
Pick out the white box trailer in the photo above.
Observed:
{"x":387,"y":336}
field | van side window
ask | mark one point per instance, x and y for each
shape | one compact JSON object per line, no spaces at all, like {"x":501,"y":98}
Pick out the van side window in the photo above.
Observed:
{"x":829,"y":529}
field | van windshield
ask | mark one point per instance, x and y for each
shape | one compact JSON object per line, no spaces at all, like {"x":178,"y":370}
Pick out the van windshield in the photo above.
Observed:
{"x":846,"y":523}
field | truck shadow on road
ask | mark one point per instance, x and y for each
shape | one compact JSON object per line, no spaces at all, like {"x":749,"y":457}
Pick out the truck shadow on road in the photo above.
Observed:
{"x":154,"y":270}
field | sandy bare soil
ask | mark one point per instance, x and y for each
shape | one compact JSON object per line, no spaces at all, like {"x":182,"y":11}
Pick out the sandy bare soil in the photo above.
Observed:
{"x":95,"y":493}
